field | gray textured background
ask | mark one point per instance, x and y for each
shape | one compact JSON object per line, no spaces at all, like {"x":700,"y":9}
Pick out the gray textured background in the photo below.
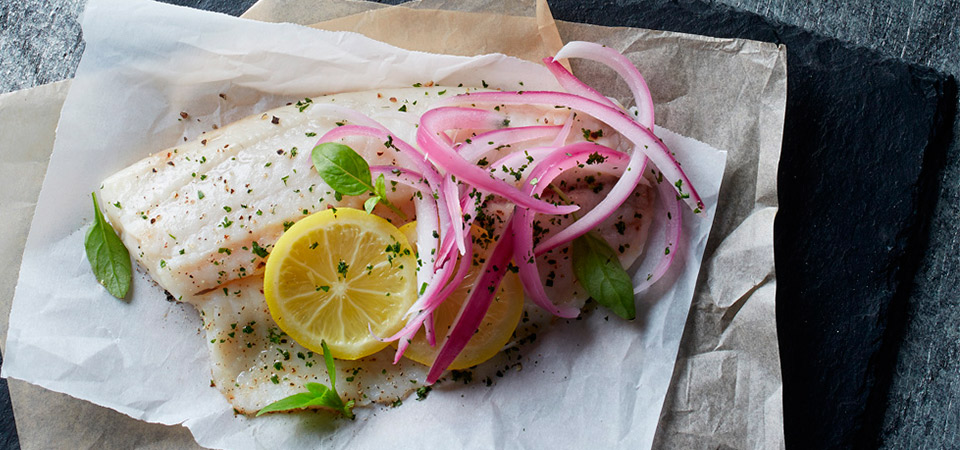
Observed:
{"x":40,"y":43}
{"x":924,"y":401}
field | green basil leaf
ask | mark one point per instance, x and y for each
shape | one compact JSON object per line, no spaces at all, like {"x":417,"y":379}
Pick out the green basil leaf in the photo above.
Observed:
{"x":295,"y":401}
{"x":342,"y":168}
{"x":317,"y":389}
{"x":331,"y":400}
{"x":331,"y":369}
{"x":380,"y":188}
{"x":108,"y":257}
{"x":316,"y":395}
{"x":370,"y":203}
{"x":596,"y":266}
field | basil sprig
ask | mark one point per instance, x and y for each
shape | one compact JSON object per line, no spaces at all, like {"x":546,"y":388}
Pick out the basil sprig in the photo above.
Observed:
{"x":316,"y":395}
{"x":349,"y":174}
{"x":108,"y":257}
{"x":597,"y":268}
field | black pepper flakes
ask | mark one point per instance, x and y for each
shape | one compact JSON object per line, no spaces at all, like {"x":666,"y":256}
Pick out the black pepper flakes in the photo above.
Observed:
{"x":275,"y":120}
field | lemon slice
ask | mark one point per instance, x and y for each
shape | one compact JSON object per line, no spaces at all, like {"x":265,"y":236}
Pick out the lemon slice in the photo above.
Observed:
{"x":496,"y":328}
{"x":336,"y":272}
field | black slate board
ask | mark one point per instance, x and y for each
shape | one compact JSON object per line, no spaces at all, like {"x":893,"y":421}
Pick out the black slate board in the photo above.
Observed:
{"x":864,"y":143}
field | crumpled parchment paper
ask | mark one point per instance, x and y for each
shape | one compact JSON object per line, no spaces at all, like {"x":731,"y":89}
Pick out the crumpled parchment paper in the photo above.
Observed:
{"x":739,"y":329}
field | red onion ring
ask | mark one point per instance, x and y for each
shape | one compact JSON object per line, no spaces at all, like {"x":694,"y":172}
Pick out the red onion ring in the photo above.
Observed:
{"x":648,"y":144}
{"x":674,"y":227}
{"x":433,"y":123}
{"x":620,"y":64}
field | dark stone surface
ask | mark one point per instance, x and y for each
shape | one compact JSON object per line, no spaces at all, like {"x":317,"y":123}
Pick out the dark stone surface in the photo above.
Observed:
{"x":8,"y":426}
{"x":231,"y":7}
{"x":864,"y":144}
{"x":40,"y":42}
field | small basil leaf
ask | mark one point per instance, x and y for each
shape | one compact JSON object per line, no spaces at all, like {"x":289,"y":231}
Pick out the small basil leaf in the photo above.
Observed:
{"x":342,"y":168}
{"x":317,"y":389}
{"x":316,"y":395}
{"x":597,"y":268}
{"x":370,"y":203}
{"x":295,"y":401}
{"x":331,"y":400}
{"x":108,"y":257}
{"x":331,"y":369}
{"x":380,"y":188}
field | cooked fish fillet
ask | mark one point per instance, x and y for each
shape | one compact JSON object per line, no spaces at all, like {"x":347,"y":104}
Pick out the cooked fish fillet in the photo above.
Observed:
{"x":254,"y":363}
{"x":201,"y":218}
{"x":191,"y":214}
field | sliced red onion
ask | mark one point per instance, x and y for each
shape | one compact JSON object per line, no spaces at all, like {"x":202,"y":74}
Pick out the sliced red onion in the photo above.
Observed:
{"x":475,"y":308}
{"x":428,"y":328}
{"x":620,"y":64}
{"x":435,"y":122}
{"x":484,"y":142}
{"x":452,"y":195}
{"x":564,"y":158}
{"x":432,"y":298}
{"x":573,"y":85}
{"x":564,"y":132}
{"x":471,"y":206}
{"x":419,"y":311}
{"x":644,"y":139}
{"x":674,"y":227}
{"x":427,"y":217}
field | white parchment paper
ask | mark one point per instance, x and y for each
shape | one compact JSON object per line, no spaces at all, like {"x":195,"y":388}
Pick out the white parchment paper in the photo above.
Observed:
{"x":146,"y":358}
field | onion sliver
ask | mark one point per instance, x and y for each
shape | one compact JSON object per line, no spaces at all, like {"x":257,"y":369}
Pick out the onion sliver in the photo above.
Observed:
{"x":564,"y":158}
{"x":452,"y":195}
{"x":475,"y":308}
{"x":620,"y":64}
{"x":573,"y":84}
{"x":471,"y":206}
{"x":484,"y":142}
{"x":432,"y":298}
{"x":428,"y":328}
{"x":674,"y":226}
{"x":564,"y":133}
{"x":427,"y":217}
{"x":433,"y":125}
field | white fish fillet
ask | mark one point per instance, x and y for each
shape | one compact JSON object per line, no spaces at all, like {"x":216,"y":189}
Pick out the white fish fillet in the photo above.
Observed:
{"x":254,"y":363}
{"x":191,"y":215}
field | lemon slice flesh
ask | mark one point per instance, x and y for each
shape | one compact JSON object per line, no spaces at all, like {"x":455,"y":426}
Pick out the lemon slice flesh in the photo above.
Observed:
{"x":336,"y":272}
{"x":496,"y":328}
